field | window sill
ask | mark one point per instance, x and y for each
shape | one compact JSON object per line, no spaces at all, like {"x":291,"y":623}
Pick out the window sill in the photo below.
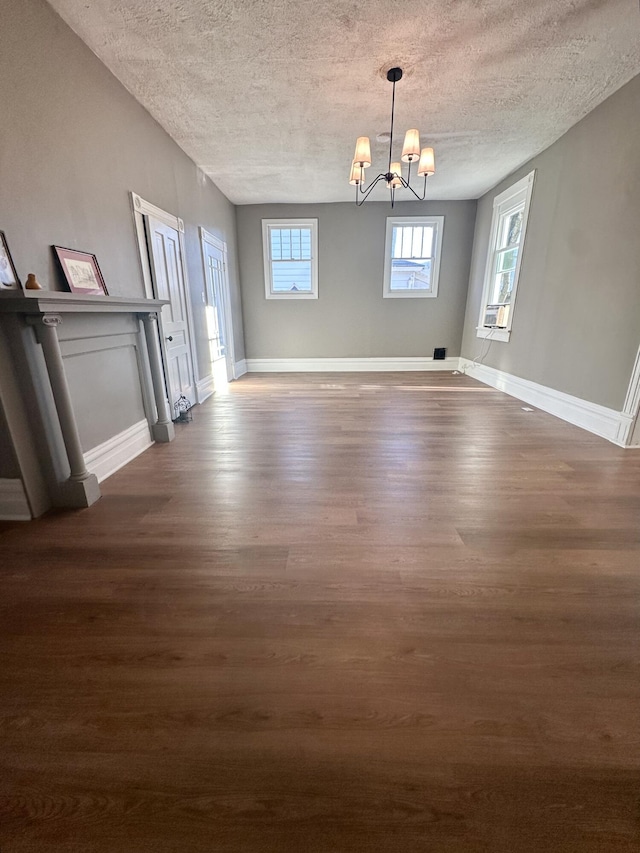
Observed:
{"x":494,"y":334}
{"x":408,"y":294}
{"x":291,"y":295}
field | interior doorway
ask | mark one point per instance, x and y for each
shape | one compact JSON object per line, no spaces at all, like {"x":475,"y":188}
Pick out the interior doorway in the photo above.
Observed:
{"x":168,"y":279}
{"x":218,"y":308}
{"x":161,"y":246}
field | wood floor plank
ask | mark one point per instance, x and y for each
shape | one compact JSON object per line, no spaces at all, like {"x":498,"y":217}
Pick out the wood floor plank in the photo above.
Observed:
{"x":348,"y":613}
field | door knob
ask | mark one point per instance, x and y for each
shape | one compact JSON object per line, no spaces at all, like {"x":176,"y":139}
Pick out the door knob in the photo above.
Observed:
{"x":170,"y":338}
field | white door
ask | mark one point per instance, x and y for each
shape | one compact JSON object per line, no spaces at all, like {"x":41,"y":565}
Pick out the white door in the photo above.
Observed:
{"x":166,"y":269}
{"x":219,"y":327}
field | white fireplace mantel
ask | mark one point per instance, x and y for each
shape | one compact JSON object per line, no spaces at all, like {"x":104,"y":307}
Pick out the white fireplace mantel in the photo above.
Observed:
{"x":45,"y":311}
{"x":48,"y":301}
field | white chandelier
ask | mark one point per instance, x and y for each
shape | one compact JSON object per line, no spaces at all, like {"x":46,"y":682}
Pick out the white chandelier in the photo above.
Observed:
{"x":393,"y":176}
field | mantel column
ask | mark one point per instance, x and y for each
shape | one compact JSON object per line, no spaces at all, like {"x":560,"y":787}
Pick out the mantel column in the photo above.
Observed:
{"x":81,"y":489}
{"x":163,"y":429}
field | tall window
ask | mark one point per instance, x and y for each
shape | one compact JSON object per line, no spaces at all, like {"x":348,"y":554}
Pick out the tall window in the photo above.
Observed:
{"x":412,"y":256}
{"x":290,"y":248}
{"x":508,"y":228}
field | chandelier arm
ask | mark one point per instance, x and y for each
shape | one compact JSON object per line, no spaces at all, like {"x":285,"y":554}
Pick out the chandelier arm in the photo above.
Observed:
{"x":408,"y":187}
{"x":367,"y":192}
{"x":360,"y":190}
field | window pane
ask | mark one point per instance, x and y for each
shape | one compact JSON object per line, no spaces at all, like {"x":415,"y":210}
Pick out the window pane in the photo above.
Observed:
{"x":416,"y":247}
{"x":290,"y":244}
{"x":410,"y":274}
{"x":412,"y":241}
{"x":510,"y":229}
{"x":502,"y":287}
{"x":276,"y":244}
{"x":296,"y":243}
{"x":427,"y":242}
{"x":291,"y":276}
{"x":285,"y":237}
{"x":407,"y":243}
{"x":507,"y":260}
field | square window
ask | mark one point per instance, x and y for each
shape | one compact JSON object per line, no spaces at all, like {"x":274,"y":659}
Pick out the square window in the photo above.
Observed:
{"x":290,"y":248}
{"x":412,"y":256}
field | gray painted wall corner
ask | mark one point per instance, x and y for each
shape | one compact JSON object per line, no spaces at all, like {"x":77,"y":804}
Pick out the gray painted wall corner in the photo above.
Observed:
{"x":576,"y":325}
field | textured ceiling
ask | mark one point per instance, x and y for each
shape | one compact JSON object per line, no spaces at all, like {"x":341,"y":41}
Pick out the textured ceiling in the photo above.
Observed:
{"x":268,"y":96}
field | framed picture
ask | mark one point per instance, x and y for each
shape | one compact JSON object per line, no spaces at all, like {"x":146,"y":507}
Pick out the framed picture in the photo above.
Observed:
{"x":8,"y":276}
{"x":81,"y":271}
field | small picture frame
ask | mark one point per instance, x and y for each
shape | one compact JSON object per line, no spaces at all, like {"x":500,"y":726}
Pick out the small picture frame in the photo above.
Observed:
{"x":8,"y":276}
{"x":81,"y":272}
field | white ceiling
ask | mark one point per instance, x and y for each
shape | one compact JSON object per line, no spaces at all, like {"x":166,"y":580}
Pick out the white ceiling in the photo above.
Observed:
{"x":268,"y":96}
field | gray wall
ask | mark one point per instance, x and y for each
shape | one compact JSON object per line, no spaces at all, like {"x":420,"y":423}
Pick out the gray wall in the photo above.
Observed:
{"x":576,"y":324}
{"x":350,"y":317}
{"x":103,"y":347}
{"x":73,"y":143}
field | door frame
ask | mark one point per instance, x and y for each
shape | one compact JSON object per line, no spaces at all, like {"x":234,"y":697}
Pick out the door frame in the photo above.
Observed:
{"x":217,"y":243}
{"x":142,"y":208}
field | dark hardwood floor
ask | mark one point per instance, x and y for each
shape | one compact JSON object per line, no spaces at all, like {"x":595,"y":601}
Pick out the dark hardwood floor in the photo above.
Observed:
{"x":346,"y":613}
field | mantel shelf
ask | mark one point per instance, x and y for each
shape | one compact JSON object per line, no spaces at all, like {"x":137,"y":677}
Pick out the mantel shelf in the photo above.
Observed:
{"x":50,"y":301}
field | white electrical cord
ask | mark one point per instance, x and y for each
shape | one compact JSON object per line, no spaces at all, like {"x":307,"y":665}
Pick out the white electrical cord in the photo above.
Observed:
{"x":480,"y":357}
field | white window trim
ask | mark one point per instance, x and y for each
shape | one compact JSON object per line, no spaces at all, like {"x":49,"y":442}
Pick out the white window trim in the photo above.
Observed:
{"x":438,"y":222}
{"x":500,"y":205}
{"x":290,"y":223}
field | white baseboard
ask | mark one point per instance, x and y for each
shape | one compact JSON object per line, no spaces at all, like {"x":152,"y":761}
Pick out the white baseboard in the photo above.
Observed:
{"x":240,"y":368}
{"x":14,"y":505}
{"x":105,"y":459}
{"x":607,"y":423}
{"x":348,"y":365}
{"x":204,"y":388}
